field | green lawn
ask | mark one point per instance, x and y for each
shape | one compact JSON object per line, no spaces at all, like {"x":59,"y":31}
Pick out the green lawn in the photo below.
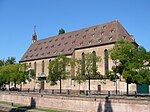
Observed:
{"x":28,"y":107}
{"x":40,"y":109}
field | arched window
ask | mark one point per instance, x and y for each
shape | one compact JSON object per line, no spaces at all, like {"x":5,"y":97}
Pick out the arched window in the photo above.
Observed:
{"x":106,"y":61}
{"x":83,"y":64}
{"x":49,"y":61}
{"x":34,"y":70}
{"x":94,"y":62}
{"x":42,"y":66}
{"x":30,"y":65}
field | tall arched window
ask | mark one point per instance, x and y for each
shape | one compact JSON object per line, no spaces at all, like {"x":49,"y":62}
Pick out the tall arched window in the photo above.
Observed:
{"x":30,"y":65}
{"x":106,"y":61}
{"x":34,"y":70}
{"x":42,"y":66}
{"x":94,"y":62}
{"x":83,"y":64}
{"x":49,"y":61}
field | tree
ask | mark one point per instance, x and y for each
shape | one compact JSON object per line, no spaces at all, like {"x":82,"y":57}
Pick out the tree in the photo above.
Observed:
{"x":10,"y":60}
{"x":2,"y":62}
{"x":79,"y":78}
{"x":57,"y":70}
{"x":14,"y":73}
{"x":131,"y":61}
{"x":87,"y":68}
{"x":61,"y":31}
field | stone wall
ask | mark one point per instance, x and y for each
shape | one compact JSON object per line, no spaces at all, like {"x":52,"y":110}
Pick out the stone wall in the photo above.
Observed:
{"x":80,"y":104}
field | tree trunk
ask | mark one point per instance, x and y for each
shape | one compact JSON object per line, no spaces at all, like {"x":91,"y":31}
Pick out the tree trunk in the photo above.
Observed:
{"x":79,"y":88}
{"x":127,"y":88}
{"x":60,"y":86}
{"x":15,"y":84}
{"x":9,"y":86}
{"x":89,"y":84}
{"x":20,"y":86}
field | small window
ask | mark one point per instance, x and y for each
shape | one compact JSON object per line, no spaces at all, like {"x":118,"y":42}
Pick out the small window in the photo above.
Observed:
{"x":35,"y":49}
{"x":41,"y":48}
{"x":90,"y":42}
{"x":62,"y":50}
{"x":48,"y":52}
{"x":95,"y":29}
{"x":31,"y":55}
{"x":110,"y":38}
{"x":69,"y":49}
{"x":42,"y":54}
{"x":59,"y":44}
{"x":112,"y":31}
{"x":50,"y":41}
{"x":124,"y":37}
{"x":52,"y":46}
{"x":86,"y":30}
{"x":81,"y":43}
{"x":76,"y":35}
{"x":104,"y":27}
{"x":84,"y":36}
{"x":36,"y":55}
{"x":73,"y":42}
{"x":102,"y":33}
{"x":93,"y":35}
{"x":62,"y":38}
{"x":46,"y":47}
{"x":66,"y":43}
{"x":69,"y":36}
{"x":55,"y":52}
{"x":100,"y":40}
{"x":56,"y":39}
{"x":26,"y":57}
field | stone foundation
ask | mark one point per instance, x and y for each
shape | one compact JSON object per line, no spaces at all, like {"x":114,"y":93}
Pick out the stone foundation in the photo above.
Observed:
{"x":80,"y":104}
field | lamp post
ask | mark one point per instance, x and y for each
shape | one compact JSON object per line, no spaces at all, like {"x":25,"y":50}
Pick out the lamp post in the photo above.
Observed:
{"x":115,"y":74}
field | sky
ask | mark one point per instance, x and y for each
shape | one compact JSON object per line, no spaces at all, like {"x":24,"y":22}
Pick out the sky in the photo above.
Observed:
{"x":18,"y":17}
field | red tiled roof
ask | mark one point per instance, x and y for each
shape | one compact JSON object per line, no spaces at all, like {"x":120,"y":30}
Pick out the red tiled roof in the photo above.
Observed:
{"x":66,"y":43}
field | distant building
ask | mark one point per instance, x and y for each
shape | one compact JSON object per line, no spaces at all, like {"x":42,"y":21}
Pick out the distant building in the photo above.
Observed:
{"x":98,"y":39}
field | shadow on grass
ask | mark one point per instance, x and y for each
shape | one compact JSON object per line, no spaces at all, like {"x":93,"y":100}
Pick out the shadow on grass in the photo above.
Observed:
{"x":20,"y":108}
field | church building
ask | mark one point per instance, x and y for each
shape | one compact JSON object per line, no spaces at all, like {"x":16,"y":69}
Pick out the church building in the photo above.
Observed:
{"x":98,"y":39}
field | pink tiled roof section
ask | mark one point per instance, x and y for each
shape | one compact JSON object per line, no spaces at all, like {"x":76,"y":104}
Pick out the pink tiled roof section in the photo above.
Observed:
{"x":66,"y":43}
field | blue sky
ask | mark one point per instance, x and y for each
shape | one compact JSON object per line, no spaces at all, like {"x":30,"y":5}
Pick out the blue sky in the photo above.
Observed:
{"x":18,"y":17}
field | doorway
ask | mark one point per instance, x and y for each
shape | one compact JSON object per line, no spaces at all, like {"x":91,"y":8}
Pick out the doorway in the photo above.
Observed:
{"x":42,"y":85}
{"x":99,"y":88}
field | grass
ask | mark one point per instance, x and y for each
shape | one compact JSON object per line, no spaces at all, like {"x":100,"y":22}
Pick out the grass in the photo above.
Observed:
{"x":40,"y":109}
{"x":28,"y":107}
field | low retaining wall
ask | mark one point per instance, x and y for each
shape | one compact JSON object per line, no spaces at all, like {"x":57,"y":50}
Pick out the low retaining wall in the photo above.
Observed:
{"x":79,"y":104}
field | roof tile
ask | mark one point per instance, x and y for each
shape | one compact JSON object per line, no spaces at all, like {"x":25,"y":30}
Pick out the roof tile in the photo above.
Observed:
{"x":66,"y":43}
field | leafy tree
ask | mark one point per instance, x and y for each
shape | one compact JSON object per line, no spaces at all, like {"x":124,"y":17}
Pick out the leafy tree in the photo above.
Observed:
{"x":2,"y":62}
{"x":57,"y":70}
{"x":13,"y":73}
{"x":79,"y":78}
{"x":61,"y":31}
{"x":87,"y":68}
{"x":131,"y":61}
{"x":10,"y":60}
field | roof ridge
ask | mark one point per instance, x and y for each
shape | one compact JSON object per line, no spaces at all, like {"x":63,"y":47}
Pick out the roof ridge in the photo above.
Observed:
{"x":66,"y":43}
{"x":76,"y":30}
